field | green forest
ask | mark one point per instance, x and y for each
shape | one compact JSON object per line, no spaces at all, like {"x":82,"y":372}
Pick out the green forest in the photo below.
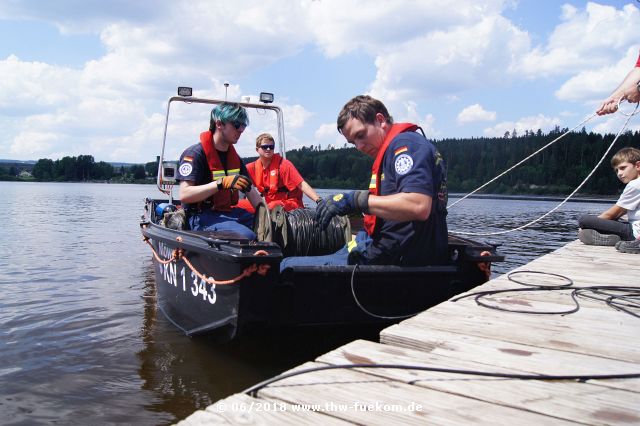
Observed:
{"x":82,"y":168}
{"x":471,"y":162}
{"x":557,"y":170}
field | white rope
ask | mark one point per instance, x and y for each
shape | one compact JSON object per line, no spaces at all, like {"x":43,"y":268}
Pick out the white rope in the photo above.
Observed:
{"x":522,"y":161}
{"x":624,"y":126}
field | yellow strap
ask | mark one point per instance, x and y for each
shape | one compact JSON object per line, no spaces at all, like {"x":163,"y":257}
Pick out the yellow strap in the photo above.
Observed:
{"x":220,"y":173}
{"x":351,"y":244}
{"x":372,"y":182}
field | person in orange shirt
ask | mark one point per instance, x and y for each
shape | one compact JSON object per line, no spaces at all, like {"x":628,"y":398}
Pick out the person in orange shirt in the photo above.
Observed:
{"x":276,"y":178}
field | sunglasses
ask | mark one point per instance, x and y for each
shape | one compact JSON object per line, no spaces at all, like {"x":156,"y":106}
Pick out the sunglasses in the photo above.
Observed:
{"x":238,"y":124}
{"x":265,"y":147}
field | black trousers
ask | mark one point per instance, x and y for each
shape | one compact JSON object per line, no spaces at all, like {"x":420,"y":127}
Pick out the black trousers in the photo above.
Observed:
{"x":607,"y":226}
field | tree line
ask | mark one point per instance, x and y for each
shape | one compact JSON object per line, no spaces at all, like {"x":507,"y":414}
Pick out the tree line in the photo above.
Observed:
{"x":470,"y":162}
{"x":82,"y":168}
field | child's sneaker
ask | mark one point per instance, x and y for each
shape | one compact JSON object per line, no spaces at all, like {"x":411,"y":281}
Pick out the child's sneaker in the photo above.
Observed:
{"x":594,"y":238}
{"x":629,"y":246}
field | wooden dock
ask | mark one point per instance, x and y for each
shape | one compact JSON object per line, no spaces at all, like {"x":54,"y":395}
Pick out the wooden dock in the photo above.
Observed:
{"x":596,"y":340}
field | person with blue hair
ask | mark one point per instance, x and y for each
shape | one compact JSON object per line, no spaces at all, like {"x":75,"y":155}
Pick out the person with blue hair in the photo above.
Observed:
{"x":211,"y":175}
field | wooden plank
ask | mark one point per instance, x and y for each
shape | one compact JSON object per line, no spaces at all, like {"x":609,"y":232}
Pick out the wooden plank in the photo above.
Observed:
{"x":573,"y":401}
{"x":366,"y":399}
{"x":607,"y":334}
{"x":243,"y":409}
{"x":495,"y":353}
{"x":485,"y":355}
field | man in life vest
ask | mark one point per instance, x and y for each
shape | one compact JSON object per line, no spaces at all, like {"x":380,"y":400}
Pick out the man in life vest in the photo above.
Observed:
{"x":276,"y":178}
{"x":405,"y":206}
{"x":211,"y":175}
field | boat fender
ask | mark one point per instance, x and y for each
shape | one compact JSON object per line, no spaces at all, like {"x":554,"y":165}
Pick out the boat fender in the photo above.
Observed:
{"x":163,"y":208}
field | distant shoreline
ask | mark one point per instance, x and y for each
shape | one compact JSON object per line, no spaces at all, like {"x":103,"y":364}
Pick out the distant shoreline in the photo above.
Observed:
{"x":525,"y":197}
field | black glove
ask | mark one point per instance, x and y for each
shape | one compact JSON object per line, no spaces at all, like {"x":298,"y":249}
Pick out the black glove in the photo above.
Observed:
{"x":238,"y":182}
{"x":340,"y":205}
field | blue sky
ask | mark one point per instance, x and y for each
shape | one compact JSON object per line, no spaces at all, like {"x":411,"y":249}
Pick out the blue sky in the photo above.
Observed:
{"x":93,"y":77}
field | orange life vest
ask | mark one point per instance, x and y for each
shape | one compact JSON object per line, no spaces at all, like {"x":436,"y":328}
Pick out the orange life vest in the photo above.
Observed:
{"x":276,"y":189}
{"x":371,"y":221}
{"x":224,"y":198}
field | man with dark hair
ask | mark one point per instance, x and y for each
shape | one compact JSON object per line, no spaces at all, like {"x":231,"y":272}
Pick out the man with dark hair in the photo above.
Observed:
{"x":211,"y":173}
{"x":405,"y":206}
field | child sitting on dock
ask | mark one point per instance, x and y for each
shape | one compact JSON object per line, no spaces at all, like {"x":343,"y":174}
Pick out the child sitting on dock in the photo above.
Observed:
{"x":607,"y":229}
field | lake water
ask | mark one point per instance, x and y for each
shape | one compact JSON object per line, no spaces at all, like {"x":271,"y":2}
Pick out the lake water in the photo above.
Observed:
{"x":83,"y":343}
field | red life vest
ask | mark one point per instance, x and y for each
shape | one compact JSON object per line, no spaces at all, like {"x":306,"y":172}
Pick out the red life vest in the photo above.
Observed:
{"x":371,"y":222}
{"x":276,"y":191}
{"x":224,"y":198}
{"x":274,"y":177}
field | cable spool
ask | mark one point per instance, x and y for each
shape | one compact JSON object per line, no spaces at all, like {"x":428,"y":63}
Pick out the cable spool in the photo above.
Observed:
{"x":298,"y":234}
{"x":307,"y":239}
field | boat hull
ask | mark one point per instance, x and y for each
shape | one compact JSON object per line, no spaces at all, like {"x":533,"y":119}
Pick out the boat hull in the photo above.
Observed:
{"x":223,"y":285}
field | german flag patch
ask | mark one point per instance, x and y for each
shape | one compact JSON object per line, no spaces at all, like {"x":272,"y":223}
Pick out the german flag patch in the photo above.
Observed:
{"x":400,"y":150}
{"x":187,"y":158}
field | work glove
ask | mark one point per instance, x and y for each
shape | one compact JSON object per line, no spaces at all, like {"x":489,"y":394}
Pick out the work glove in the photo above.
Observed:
{"x":238,"y":182}
{"x":340,"y":205}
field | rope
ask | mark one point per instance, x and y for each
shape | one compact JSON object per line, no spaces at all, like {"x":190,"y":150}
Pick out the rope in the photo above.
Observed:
{"x":526,"y":225}
{"x":355,"y":298}
{"x":485,"y":267}
{"x":621,"y":298}
{"x":178,"y":254}
{"x":253,"y":390}
{"x":155,"y":253}
{"x":522,"y":161}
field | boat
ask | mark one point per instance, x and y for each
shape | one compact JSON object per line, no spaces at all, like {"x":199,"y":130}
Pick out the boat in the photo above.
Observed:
{"x":222,"y":284}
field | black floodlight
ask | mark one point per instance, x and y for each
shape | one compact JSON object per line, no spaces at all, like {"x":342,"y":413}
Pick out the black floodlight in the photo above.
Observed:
{"x":266,"y":98}
{"x":185,"y":91}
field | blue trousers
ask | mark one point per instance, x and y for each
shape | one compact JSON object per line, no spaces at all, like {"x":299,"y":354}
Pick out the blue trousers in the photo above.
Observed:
{"x":237,"y":220}
{"x":341,"y":257}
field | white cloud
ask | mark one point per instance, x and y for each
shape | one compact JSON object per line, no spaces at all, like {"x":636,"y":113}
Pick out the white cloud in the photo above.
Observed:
{"x":586,"y":38}
{"x":32,"y":143}
{"x":327,"y":134}
{"x":341,"y":27}
{"x":594,"y":85}
{"x":613,"y":124}
{"x":428,"y":125}
{"x":475,"y":112}
{"x":451,"y":60}
{"x":326,"y":130}
{"x":532,"y":123}
{"x":28,"y":84}
{"x":295,"y":116}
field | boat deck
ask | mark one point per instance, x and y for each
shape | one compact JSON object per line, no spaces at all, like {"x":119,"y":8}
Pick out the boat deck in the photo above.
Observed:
{"x":598,"y":339}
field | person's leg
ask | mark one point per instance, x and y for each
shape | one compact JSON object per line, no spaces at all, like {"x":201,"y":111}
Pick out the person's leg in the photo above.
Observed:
{"x":606,"y":226}
{"x":242,"y":216}
{"x":341,"y":257}
{"x":223,"y":221}
{"x":337,"y":258}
